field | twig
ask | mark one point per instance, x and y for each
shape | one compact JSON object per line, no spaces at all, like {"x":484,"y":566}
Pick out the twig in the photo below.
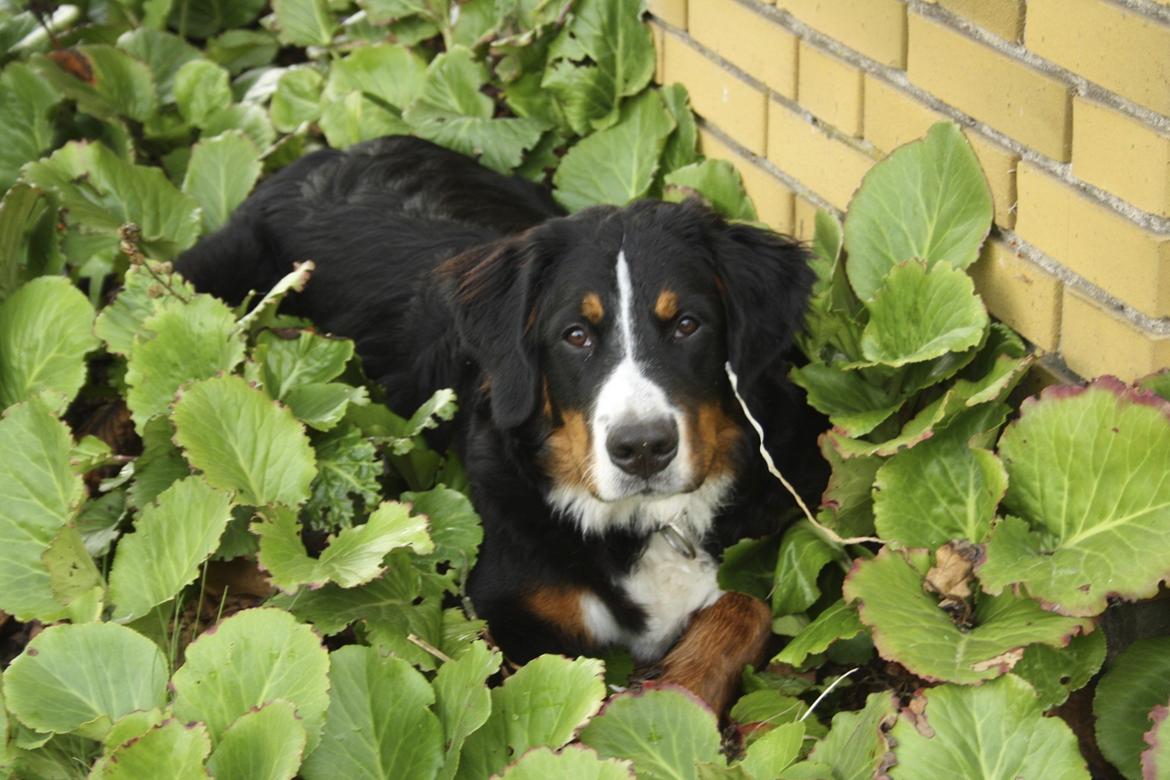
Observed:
{"x":129,"y":236}
{"x":425,"y":645}
{"x":827,"y":691}
{"x":771,"y":464}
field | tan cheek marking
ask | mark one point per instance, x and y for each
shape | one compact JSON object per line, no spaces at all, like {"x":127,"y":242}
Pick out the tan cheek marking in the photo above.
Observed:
{"x":714,"y":438}
{"x":568,"y":452}
{"x":592,"y":308}
{"x":666,"y":307}
{"x":560,"y":606}
{"x":720,"y":640}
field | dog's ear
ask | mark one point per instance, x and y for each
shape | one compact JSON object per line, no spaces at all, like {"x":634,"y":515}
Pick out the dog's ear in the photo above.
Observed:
{"x":494,"y":304}
{"x":765,"y":280}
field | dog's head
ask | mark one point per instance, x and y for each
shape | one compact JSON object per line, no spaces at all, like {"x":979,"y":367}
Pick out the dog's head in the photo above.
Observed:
{"x":608,"y":331}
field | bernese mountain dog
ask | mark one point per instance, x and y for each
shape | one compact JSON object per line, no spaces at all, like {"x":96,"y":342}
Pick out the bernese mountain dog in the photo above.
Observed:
{"x":606,"y":454}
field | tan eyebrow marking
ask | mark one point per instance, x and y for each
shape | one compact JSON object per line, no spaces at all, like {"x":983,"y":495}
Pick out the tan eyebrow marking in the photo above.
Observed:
{"x":591,"y":308}
{"x":666,"y":307}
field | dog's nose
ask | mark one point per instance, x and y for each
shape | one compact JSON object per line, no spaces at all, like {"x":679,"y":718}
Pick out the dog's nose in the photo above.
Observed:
{"x":643,"y":448}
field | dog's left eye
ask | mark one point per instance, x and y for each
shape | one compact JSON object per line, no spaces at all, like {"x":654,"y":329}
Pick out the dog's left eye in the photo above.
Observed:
{"x":685,"y":326}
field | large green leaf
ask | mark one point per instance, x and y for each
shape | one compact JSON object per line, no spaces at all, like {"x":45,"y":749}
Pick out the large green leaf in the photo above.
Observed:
{"x":772,"y":753}
{"x":24,"y":214}
{"x":244,"y":441}
{"x":25,"y":129}
{"x":266,"y":744}
{"x":717,"y":182}
{"x":170,"y":539}
{"x":939,"y":491}
{"x":452,"y":523}
{"x":46,"y":329}
{"x":919,"y":314}
{"x":144,"y":291}
{"x":84,"y":677}
{"x":1138,"y":682}
{"x":928,"y":200}
{"x":572,"y":763}
{"x":910,"y":628}
{"x":616,"y":165}
{"x":803,"y":553}
{"x":854,"y":405}
{"x":181,"y":343}
{"x":204,"y":18}
{"x":379,"y":723}
{"x":39,"y":494}
{"x":305,"y":22}
{"x":250,"y":659}
{"x":856,"y":743}
{"x":172,"y":750}
{"x":462,"y":700}
{"x":542,"y":705}
{"x":451,"y":111}
{"x":664,"y":732}
{"x":297,"y":98}
{"x":348,"y":468}
{"x":220,"y":175}
{"x":354,"y":557}
{"x":201,"y":89}
{"x":995,"y":731}
{"x":163,"y":52}
{"x":1090,"y":495}
{"x":838,"y":621}
{"x":105,"y":81}
{"x":1057,"y":672}
{"x":359,"y":104}
{"x":102,"y":192}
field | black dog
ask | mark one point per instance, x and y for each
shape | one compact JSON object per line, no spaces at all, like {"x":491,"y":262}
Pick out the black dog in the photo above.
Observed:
{"x":607,"y":457}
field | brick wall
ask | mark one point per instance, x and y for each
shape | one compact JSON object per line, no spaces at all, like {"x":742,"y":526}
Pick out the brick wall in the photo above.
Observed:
{"x":1066,"y":103}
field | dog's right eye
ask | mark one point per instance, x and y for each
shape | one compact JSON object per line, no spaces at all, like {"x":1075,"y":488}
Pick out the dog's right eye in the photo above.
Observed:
{"x":577,"y":337}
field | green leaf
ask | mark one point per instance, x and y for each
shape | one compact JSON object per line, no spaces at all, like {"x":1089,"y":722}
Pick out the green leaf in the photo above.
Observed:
{"x":84,"y":677}
{"x":939,"y":491}
{"x":355,"y":117}
{"x":353,"y":558}
{"x":995,"y":731}
{"x":204,"y":18}
{"x":771,"y":754}
{"x":838,"y":621}
{"x":462,"y":700}
{"x":163,"y":53}
{"x":451,"y":111}
{"x":248,"y":660}
{"x":681,"y":145}
{"x":856,"y":742}
{"x":348,"y":468}
{"x":249,"y":118}
{"x":919,"y":314}
{"x":910,"y":628}
{"x":201,"y":89}
{"x":616,"y":165}
{"x":571,"y":763}
{"x":170,"y":539}
{"x":1089,"y":491}
{"x":46,"y":329}
{"x":379,"y":724}
{"x":240,"y":50}
{"x":322,"y":405}
{"x":1157,"y":383}
{"x":452,"y":523}
{"x":664,"y":732}
{"x":105,"y":81}
{"x":717,"y":183}
{"x":297,"y":98}
{"x":159,"y":466}
{"x":266,"y":744}
{"x":304,"y":22}
{"x":1138,"y":681}
{"x":181,"y":343}
{"x":24,"y":215}
{"x":172,"y":750}
{"x":220,"y":175}
{"x":853,"y":405}
{"x":803,"y":553}
{"x":74,"y":580}
{"x":101,"y":192}
{"x":935,"y":194}
{"x":41,"y":493}
{"x":1057,"y":672}
{"x":1156,"y":760}
{"x":767,"y":706}
{"x":25,"y":130}
{"x":142,"y":295}
{"x":244,"y":441}
{"x":364,"y":69}
{"x":542,"y":705}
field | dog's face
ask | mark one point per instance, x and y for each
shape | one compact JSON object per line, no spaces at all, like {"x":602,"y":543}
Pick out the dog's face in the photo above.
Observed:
{"x":620,"y":322}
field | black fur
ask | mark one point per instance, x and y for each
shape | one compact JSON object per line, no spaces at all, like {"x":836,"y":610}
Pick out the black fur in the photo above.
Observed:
{"x":448,"y":275}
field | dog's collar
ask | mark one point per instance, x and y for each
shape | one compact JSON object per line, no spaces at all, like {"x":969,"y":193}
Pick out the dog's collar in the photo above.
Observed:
{"x":679,"y":541}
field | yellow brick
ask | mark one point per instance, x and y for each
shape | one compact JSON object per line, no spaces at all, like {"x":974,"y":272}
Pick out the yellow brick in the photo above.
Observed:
{"x":748,"y":40}
{"x":1019,"y":293}
{"x":830,"y":88}
{"x":1024,"y":103}
{"x":1106,"y":43}
{"x":876,"y":28}
{"x":1004,"y":18}
{"x":893,"y":118}
{"x":659,"y":52}
{"x":673,"y":12}
{"x":1122,"y":155}
{"x":805,"y":215}
{"x":1096,"y":341}
{"x":828,"y":166}
{"x":1122,"y":258}
{"x":736,"y":107}
{"x":772,"y":198}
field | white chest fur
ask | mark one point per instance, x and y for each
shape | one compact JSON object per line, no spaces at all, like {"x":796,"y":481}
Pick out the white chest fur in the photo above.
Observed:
{"x":669,"y":587}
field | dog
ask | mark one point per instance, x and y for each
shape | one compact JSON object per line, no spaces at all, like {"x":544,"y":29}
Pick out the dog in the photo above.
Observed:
{"x":606,"y":454}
